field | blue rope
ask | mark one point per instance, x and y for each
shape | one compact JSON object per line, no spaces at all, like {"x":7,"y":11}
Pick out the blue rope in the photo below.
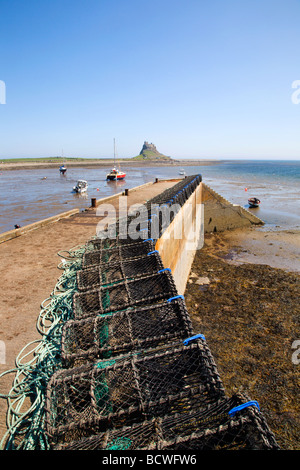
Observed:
{"x":188,"y":340}
{"x":244,"y":405}
{"x":176,"y":297}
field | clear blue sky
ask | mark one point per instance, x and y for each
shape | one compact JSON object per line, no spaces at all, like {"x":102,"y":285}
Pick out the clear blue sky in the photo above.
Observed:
{"x":208,"y":79}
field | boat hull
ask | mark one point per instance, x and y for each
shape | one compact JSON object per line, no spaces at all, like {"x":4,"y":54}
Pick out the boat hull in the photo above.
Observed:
{"x":81,"y":187}
{"x":253,"y":202}
{"x":116,"y":177}
{"x":80,"y":192}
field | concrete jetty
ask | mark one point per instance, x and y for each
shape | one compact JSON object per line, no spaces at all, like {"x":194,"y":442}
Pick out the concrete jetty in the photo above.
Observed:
{"x":29,"y":257}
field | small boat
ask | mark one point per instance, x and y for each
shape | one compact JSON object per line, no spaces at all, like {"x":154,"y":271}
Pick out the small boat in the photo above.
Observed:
{"x":114,"y":174}
{"x":181,"y":171}
{"x":253,"y":202}
{"x":62,"y":169}
{"x":81,"y":186}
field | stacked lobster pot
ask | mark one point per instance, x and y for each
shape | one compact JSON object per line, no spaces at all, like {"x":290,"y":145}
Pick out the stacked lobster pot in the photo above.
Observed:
{"x":130,"y":372}
{"x":135,"y":375}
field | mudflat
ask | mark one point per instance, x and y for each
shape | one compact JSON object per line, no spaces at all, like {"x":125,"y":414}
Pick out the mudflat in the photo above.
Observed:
{"x":249,"y":314}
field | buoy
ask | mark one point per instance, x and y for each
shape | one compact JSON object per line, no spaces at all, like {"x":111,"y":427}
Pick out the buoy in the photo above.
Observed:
{"x":97,"y":189}
{"x":246,"y":189}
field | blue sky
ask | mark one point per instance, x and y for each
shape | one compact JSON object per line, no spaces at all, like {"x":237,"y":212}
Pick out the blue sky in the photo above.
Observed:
{"x":199,"y":79}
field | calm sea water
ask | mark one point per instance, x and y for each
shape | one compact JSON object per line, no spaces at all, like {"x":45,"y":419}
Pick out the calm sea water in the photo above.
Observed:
{"x":30,"y":195}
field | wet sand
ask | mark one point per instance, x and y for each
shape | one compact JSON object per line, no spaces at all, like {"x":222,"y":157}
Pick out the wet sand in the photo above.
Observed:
{"x":29,"y":273}
{"x":259,"y":245}
{"x":249,"y":314}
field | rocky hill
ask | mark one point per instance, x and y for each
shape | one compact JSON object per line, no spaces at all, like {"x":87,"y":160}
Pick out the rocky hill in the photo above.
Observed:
{"x":150,"y":152}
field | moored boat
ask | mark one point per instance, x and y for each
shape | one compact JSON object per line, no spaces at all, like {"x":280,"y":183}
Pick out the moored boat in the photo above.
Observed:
{"x":253,"y":202}
{"x":81,"y":186}
{"x":114,"y":174}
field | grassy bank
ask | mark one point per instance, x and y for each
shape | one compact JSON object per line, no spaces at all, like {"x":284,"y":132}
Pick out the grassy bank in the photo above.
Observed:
{"x":50,"y":160}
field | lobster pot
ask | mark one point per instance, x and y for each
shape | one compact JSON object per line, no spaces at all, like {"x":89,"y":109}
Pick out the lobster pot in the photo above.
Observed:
{"x":144,"y":290}
{"x":246,"y":431}
{"x":105,"y":242}
{"x":143,"y":436}
{"x":185,"y":187}
{"x":208,"y":428}
{"x":107,"y":273}
{"x":122,"y":391}
{"x":124,"y":230}
{"x":111,"y":236}
{"x":120,"y":333}
{"x":113,"y":255}
{"x":170,"y":192}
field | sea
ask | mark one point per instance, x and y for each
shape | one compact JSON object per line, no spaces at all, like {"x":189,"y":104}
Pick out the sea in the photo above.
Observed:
{"x":30,"y":195}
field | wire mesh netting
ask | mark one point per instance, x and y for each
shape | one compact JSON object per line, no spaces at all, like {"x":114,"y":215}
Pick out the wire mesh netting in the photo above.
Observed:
{"x":122,"y":391}
{"x":118,"y":366}
{"x":109,"y":273}
{"x":209,"y":428}
{"x":113,"y":255}
{"x":119,"y":333}
{"x":141,"y":291}
{"x":107,"y":242}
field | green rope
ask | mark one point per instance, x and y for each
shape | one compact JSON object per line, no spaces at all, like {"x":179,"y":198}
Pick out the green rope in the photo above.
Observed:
{"x":120,"y":443}
{"x":36,"y":363}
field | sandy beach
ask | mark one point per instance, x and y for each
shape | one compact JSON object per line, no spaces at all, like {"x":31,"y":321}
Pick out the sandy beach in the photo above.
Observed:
{"x":242,"y":294}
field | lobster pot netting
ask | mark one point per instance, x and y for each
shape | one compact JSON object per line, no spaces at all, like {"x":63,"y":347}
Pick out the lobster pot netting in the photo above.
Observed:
{"x":107,"y":273}
{"x":144,"y":290}
{"x":119,"y":333}
{"x":114,"y":255}
{"x":124,"y":231}
{"x":210,"y":428}
{"x":182,"y":191}
{"x":123,"y":391}
{"x":109,"y":240}
{"x":110,"y":237}
{"x":128,"y":230}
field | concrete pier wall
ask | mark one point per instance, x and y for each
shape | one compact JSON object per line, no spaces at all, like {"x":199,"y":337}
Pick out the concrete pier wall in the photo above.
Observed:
{"x":205,"y":211}
{"x":179,"y":242}
{"x":220,"y":214}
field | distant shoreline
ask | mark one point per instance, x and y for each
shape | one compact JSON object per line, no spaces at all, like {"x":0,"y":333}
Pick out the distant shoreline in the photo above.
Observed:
{"x":24,"y":165}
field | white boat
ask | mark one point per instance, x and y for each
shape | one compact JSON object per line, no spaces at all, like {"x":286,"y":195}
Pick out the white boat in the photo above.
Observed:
{"x":114,"y":174}
{"x":81,"y":186}
{"x":181,"y":171}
